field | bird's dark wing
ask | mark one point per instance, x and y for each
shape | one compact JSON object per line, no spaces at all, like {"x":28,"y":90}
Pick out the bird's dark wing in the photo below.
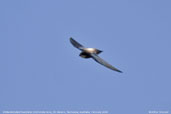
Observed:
{"x":76,"y":44}
{"x":102,"y":62}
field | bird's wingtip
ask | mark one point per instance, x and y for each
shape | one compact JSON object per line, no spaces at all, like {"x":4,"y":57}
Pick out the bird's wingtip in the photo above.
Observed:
{"x":119,"y":71}
{"x":71,"y":38}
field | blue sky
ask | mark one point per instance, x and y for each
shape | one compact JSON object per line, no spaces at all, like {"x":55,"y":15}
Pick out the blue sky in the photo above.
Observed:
{"x":41,"y":70}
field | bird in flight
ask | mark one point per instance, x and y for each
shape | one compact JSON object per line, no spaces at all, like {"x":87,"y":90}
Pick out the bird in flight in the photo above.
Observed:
{"x":92,"y":53}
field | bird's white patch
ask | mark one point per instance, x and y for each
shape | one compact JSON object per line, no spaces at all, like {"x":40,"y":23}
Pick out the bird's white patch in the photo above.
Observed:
{"x":90,"y":50}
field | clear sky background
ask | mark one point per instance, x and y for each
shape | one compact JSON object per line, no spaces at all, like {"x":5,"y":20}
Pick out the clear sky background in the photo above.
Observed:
{"x":41,"y":70}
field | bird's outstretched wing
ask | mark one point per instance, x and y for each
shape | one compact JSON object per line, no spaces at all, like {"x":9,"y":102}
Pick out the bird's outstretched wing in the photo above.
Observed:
{"x":102,"y":62}
{"x":76,"y":44}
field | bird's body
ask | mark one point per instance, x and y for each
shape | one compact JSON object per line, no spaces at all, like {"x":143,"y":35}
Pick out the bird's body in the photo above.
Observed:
{"x":92,"y":53}
{"x":87,"y":51}
{"x":92,"y":50}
